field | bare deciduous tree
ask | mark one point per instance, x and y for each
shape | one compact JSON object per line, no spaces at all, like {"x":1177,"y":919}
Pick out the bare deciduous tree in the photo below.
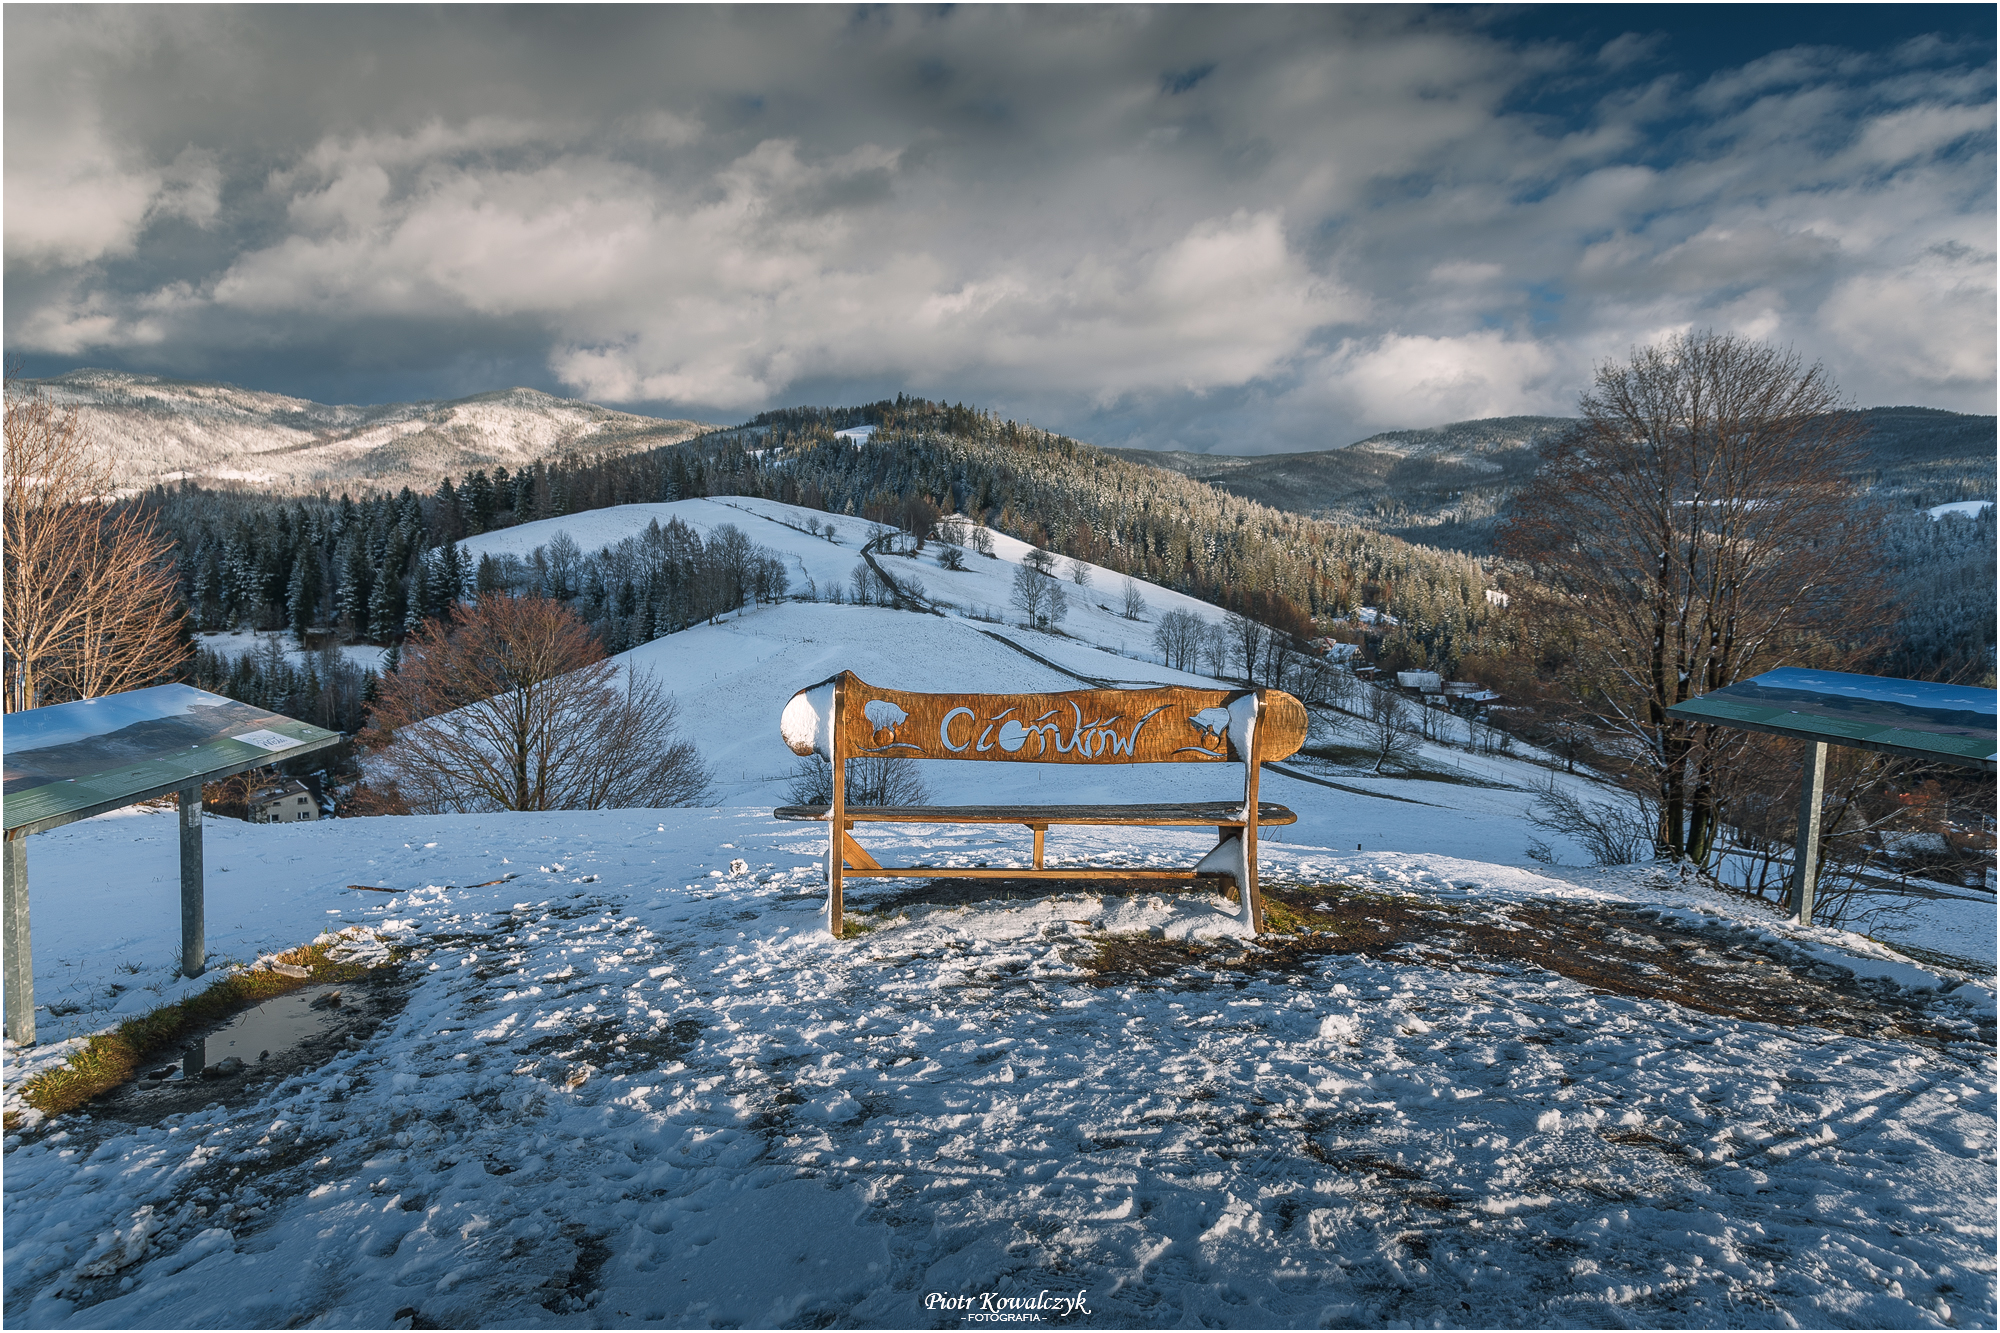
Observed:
{"x":559,"y":569}
{"x":1042,"y":562}
{"x":91,"y":605}
{"x":871,"y":780}
{"x":1135,"y":601}
{"x":1246,"y":641}
{"x":1058,"y":605}
{"x":511,"y":705}
{"x":1179,"y":635}
{"x":1387,"y":731}
{"x":1031,"y":594}
{"x":1698,"y":527}
{"x":1613,"y":833}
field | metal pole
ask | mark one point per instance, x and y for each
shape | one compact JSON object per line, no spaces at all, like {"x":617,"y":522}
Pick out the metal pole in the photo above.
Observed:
{"x":20,"y":961}
{"x":1805,"y":858}
{"x":193,"y":936}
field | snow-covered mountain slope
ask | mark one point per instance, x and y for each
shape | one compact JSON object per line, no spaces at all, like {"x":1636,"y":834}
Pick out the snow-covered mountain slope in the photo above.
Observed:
{"x":819,"y":565}
{"x":732,"y":680}
{"x":633,"y":1086}
{"x":153,"y":429}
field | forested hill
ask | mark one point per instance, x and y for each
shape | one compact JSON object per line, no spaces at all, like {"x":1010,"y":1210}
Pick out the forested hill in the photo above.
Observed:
{"x":360,"y":565}
{"x":1448,"y":485}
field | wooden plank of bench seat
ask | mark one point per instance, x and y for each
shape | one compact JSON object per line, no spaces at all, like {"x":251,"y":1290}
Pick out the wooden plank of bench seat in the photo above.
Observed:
{"x":1021,"y":872}
{"x":1221,"y":814}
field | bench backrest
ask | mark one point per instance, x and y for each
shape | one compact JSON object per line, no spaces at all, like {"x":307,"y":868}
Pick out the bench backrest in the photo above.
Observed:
{"x":844,"y":717}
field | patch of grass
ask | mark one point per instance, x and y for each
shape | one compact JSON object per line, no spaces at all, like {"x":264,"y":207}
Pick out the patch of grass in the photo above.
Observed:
{"x":853,"y":924}
{"x":1282,"y":918}
{"x":111,"y":1058}
{"x":1345,"y":918}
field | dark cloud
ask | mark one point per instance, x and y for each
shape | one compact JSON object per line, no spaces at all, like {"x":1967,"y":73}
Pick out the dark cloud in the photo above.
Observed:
{"x":1234,"y":228}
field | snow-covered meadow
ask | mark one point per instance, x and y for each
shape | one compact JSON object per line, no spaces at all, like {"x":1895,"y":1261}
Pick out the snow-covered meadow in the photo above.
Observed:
{"x":634,"y":1081}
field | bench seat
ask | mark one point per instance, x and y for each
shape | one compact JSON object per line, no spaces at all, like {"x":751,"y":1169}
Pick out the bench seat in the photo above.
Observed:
{"x":1225,"y":817}
{"x":1219,"y":814}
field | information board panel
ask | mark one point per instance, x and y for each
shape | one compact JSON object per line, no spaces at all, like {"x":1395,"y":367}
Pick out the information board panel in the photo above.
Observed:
{"x":71,"y":761}
{"x":1951,"y":723}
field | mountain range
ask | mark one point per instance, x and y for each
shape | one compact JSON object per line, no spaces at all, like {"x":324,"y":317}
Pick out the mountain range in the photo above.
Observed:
{"x":152,"y":429}
{"x":1445,"y":486}
{"x":1448,"y":485}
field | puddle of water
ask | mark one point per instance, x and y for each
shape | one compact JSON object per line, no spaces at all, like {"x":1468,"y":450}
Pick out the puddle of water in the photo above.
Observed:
{"x":271,"y":1030}
{"x":276,"y":1025}
{"x":284,"y":1036}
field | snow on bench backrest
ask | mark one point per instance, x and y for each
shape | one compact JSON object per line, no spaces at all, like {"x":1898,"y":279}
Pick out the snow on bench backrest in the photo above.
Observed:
{"x":1166,"y":724}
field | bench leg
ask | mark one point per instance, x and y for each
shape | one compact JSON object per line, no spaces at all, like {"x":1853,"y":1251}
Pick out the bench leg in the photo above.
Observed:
{"x":1223,"y":833}
{"x":1253,"y":901}
{"x":1041,"y":831}
{"x":1251,"y":895}
{"x":835,"y":863}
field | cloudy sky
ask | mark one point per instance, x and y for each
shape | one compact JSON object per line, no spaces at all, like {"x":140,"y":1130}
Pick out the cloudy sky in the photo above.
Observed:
{"x":1239,"y":229}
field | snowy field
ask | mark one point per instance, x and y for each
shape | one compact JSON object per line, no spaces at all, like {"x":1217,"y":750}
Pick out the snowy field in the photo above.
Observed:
{"x":636,"y":1085}
{"x":984,"y":586}
{"x":232,"y":644}
{"x":1967,"y":508}
{"x":631,"y":1086}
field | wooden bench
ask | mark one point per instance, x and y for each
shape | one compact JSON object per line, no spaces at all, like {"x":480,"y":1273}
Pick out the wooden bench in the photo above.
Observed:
{"x":844,"y":718}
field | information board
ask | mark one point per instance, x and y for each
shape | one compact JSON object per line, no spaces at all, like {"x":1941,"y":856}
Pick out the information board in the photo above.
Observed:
{"x":71,"y":761}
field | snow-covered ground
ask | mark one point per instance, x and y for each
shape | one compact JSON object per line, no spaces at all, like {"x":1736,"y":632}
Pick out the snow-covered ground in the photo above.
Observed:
{"x":634,"y":1084}
{"x":1968,"y":508}
{"x":232,"y":644}
{"x":631,"y":1086}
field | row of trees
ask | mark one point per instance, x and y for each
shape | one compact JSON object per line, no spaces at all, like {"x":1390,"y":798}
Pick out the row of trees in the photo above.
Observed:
{"x":664,"y":579}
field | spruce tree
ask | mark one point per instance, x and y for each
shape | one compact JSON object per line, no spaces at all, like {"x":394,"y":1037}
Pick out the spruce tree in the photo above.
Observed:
{"x":302,"y":598}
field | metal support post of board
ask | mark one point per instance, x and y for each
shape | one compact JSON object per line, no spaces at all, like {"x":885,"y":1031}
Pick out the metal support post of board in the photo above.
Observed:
{"x":20,"y":960}
{"x":1805,"y":858}
{"x":194,"y":939}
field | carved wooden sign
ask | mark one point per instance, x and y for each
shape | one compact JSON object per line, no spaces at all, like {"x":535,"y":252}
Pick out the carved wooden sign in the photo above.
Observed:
{"x":1165,"y":724}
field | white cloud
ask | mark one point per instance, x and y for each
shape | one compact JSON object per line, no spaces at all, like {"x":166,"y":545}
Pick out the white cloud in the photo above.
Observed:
{"x":1398,"y":379}
{"x":1928,"y":323}
{"x":73,"y":197}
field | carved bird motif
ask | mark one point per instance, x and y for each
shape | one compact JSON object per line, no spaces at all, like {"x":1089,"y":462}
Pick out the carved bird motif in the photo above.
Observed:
{"x":1213,"y":723}
{"x":885,"y":717}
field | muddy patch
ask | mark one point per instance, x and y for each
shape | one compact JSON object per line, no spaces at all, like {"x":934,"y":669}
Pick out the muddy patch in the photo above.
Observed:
{"x":1716,"y":967}
{"x":239,"y":1060}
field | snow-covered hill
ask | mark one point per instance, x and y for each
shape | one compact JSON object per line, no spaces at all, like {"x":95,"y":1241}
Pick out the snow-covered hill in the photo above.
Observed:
{"x":153,"y":429}
{"x":819,"y":564}
{"x":734,"y":677}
